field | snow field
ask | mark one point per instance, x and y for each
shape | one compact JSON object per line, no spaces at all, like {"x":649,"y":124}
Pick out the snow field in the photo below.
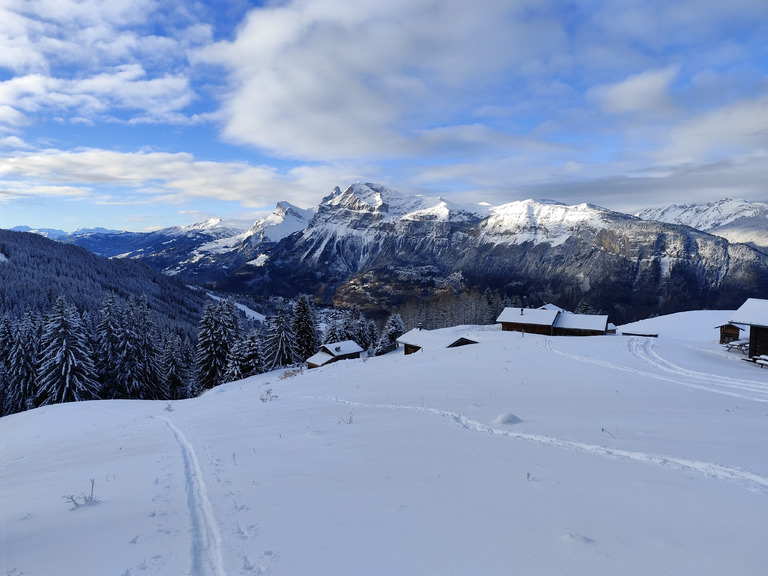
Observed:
{"x":631,"y":456}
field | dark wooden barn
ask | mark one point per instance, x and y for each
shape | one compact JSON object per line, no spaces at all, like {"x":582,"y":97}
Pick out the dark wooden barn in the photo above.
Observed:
{"x":729,"y":333}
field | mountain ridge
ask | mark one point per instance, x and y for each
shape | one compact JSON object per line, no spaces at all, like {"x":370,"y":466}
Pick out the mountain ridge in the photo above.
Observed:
{"x":736,"y":220}
{"x":373,"y":246}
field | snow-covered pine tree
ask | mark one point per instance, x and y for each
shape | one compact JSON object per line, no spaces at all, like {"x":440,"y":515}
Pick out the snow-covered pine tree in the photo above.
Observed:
{"x":334,"y":331}
{"x":149,"y":373}
{"x":219,"y":330}
{"x":305,"y":328}
{"x":355,"y":327}
{"x":174,"y":369}
{"x":245,"y":358}
{"x":211,"y":352}
{"x":66,"y":372}
{"x":21,"y":376}
{"x":372,"y":335}
{"x":393,"y":329}
{"x":110,"y":333}
{"x":280,"y":341}
{"x":252,"y":356}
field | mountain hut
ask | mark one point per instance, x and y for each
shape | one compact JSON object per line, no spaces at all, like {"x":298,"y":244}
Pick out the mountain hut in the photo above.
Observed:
{"x":754,"y":313}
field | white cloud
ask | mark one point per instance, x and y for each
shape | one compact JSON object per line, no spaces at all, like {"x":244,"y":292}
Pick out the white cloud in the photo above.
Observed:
{"x":721,"y":133}
{"x":124,"y":88}
{"x":644,"y":92}
{"x":327,"y":79}
{"x":116,"y":178}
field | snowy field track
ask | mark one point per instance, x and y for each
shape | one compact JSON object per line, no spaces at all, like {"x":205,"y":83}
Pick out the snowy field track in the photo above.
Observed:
{"x":517,"y":455}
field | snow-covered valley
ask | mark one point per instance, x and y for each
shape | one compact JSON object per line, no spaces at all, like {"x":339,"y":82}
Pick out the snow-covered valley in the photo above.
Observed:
{"x":517,"y":455}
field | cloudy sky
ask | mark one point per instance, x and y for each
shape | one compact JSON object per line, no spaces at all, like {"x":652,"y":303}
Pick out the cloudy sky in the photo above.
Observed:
{"x":140,"y":114}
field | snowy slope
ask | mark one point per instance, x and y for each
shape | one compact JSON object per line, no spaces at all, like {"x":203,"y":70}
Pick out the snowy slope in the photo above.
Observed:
{"x":735,"y":220}
{"x":541,"y":221}
{"x":518,"y":455}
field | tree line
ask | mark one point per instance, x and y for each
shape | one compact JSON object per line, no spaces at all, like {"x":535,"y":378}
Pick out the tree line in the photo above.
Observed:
{"x":121,"y":352}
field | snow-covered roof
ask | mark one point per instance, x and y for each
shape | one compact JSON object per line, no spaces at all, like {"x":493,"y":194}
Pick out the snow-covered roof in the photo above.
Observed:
{"x":550,"y":306}
{"x":528,"y":316}
{"x":754,"y":312}
{"x":320,"y":359}
{"x":342,"y":348}
{"x":582,"y":321}
{"x":433,"y":339}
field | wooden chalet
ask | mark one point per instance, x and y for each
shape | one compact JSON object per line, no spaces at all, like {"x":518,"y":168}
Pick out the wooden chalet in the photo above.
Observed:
{"x":419,"y":338}
{"x":334,"y":352}
{"x":531,"y":320}
{"x":754,"y":313}
{"x":552,"y":321}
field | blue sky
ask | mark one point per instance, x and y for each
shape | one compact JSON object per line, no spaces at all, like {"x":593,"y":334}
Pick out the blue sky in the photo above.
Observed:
{"x":141,"y":114}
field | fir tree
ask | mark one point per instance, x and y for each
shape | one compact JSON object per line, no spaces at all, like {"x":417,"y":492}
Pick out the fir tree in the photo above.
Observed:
{"x":66,"y":372}
{"x":393,"y":329}
{"x":305,"y":328}
{"x":174,"y":371}
{"x":110,"y":333}
{"x":334,"y":332}
{"x":211,"y":350}
{"x":147,"y":361}
{"x":252,"y":357}
{"x":245,"y":358}
{"x":219,"y":330}
{"x":21,"y":375}
{"x":280,"y":342}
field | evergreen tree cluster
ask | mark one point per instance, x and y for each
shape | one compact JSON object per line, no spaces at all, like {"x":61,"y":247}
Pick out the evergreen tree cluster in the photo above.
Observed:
{"x":66,"y":356}
{"x":351,"y":324}
{"x":472,"y":307}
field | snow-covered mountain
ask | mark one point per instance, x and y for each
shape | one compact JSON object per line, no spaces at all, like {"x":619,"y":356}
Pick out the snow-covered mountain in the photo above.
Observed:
{"x":51,"y":233}
{"x":598,"y":456}
{"x":375,"y":247}
{"x":735,"y":220}
{"x":284,"y":221}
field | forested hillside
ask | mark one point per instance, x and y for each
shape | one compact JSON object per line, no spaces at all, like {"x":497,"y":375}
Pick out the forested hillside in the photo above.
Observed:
{"x":35,"y":271}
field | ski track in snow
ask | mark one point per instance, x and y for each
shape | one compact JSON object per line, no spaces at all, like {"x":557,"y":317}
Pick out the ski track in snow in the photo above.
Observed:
{"x":644,"y":350}
{"x":748,"y":480}
{"x":206,"y":540}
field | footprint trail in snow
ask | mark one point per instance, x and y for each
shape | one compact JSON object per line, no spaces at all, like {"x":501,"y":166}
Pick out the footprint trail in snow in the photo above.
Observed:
{"x":746,"y":479}
{"x":206,"y":540}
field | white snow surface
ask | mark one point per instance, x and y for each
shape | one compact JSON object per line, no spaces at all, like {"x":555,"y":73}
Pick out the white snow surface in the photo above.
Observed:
{"x":540,"y":221}
{"x":518,"y":455}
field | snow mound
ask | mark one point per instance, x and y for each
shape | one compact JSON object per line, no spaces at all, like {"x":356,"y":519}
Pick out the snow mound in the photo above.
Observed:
{"x":506,"y":419}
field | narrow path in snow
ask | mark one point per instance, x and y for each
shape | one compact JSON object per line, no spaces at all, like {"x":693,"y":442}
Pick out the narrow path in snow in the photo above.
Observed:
{"x":206,"y":540}
{"x":748,"y":480}
{"x":644,"y":350}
